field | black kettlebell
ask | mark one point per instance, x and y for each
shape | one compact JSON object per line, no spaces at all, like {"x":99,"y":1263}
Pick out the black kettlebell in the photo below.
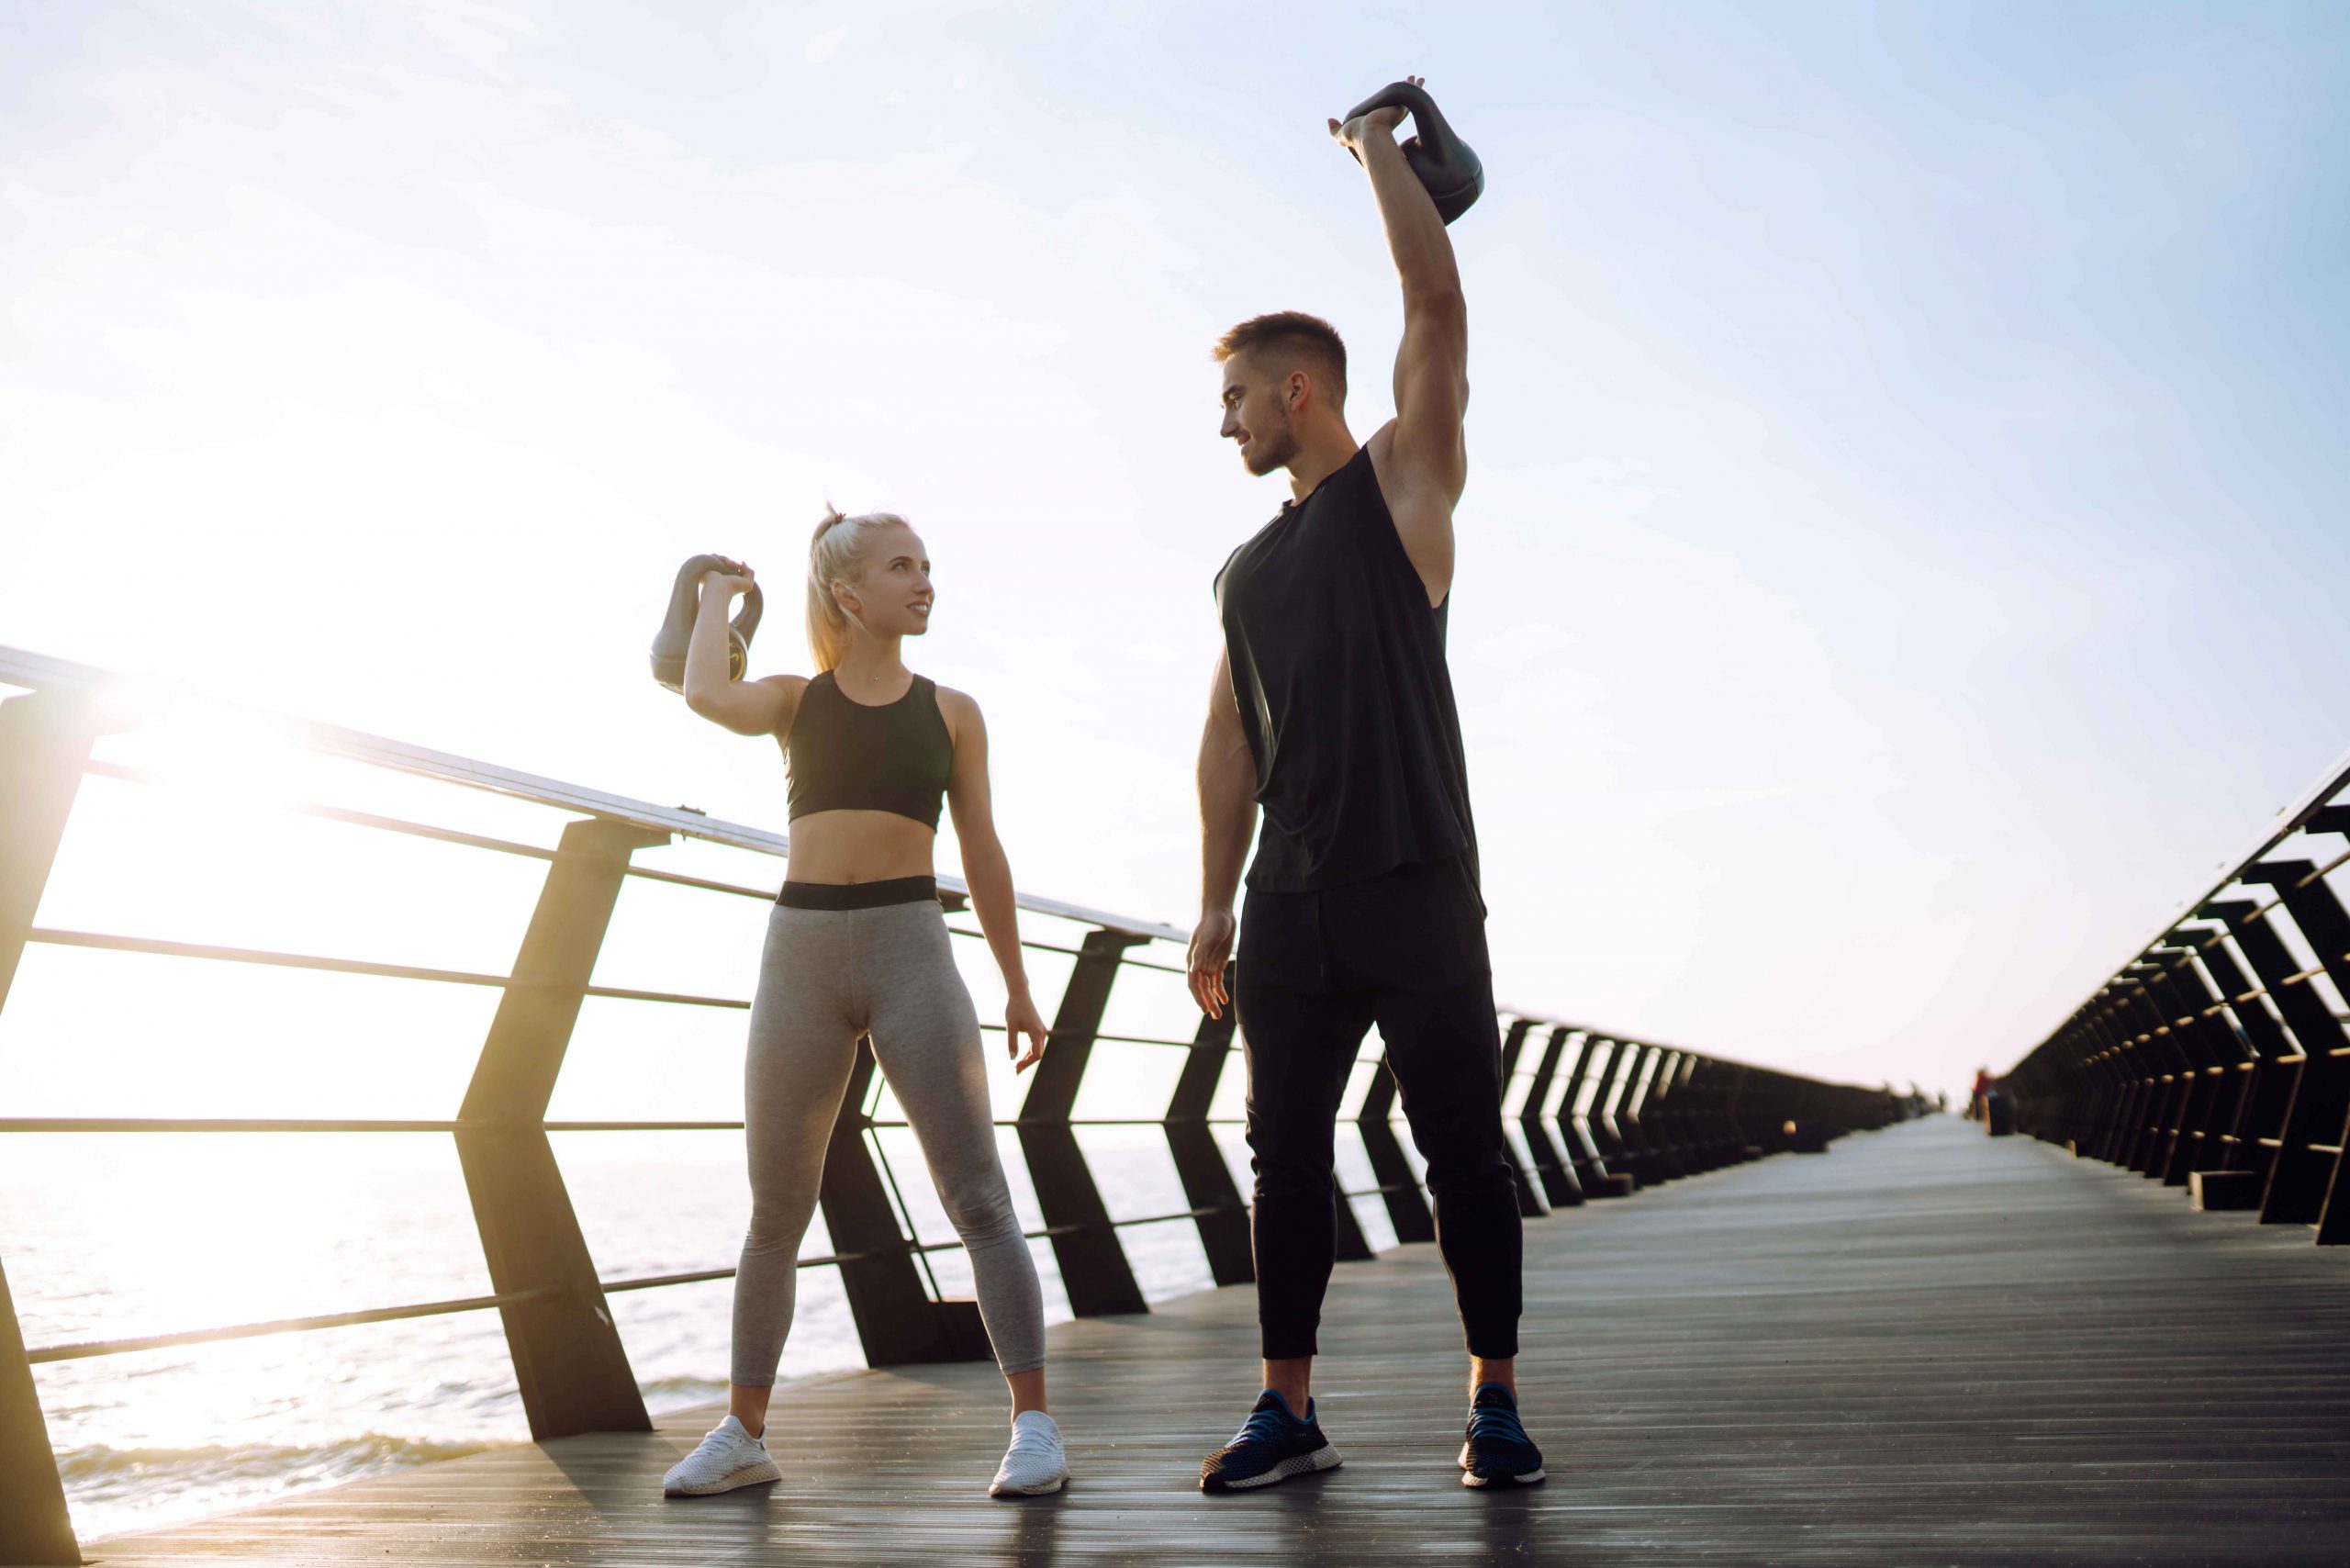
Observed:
{"x":677,"y":626}
{"x":1443,"y":161}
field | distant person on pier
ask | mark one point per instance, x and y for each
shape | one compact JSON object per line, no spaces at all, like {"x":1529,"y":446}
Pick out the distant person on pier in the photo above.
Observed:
{"x":1980,"y":1096}
{"x":857,"y":943}
{"x":1332,"y":708}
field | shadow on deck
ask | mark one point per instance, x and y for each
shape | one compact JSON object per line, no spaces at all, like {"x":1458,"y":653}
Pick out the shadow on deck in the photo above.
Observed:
{"x":1925,"y":1347}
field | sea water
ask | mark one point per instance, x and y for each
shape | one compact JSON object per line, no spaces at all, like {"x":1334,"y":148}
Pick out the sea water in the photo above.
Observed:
{"x":112,"y":1236}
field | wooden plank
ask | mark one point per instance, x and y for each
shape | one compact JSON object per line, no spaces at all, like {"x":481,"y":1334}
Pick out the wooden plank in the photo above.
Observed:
{"x":1929,"y":1346}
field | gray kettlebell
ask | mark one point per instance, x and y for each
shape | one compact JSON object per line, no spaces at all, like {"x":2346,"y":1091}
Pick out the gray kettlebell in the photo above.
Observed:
{"x":1443,"y":161}
{"x":677,"y":627}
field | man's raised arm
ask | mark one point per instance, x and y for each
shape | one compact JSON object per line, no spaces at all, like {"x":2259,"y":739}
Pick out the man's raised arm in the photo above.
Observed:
{"x":1427,"y":465}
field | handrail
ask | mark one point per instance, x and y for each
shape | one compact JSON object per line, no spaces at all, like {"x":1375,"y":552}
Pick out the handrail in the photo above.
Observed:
{"x":40,"y":671}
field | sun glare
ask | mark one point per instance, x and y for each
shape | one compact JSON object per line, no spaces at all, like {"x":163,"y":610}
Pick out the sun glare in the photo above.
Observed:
{"x":234,"y":756}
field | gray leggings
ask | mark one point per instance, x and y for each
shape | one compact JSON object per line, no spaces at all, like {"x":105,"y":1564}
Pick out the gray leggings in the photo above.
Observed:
{"x":828,"y":976}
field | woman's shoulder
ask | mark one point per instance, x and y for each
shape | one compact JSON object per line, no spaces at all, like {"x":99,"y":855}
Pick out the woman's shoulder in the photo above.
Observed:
{"x":791,"y":693}
{"x":960,"y":710}
{"x":791,"y":687}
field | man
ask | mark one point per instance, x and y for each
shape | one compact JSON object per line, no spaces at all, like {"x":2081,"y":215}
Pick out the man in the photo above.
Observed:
{"x":1333,"y":709}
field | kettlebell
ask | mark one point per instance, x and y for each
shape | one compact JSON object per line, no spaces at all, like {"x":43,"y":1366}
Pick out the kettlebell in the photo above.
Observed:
{"x":1443,"y":161}
{"x":677,"y":626}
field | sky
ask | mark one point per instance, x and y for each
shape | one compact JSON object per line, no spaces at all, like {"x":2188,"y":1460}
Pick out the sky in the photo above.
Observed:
{"x":1903,"y":553}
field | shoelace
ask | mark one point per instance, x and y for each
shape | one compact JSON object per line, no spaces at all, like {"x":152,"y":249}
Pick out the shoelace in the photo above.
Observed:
{"x":1034,"y":1439}
{"x":1495,"y":1421}
{"x":1262,"y":1426}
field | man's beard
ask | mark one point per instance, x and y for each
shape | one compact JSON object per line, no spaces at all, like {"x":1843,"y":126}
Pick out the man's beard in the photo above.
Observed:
{"x":1270,"y":450}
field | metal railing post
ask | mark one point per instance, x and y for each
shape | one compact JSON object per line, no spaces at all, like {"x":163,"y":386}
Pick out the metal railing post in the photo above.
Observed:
{"x":1200,"y":1165}
{"x":44,"y":744}
{"x":1094,"y":1269}
{"x":568,"y":1360}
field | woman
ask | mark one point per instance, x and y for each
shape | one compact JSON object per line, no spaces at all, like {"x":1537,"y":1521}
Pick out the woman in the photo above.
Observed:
{"x":857,"y":943}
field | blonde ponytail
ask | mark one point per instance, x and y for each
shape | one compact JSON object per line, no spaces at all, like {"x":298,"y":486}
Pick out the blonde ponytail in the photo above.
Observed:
{"x":837,"y":556}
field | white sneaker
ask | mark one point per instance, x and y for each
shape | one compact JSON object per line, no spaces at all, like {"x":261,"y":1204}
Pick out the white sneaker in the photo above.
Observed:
{"x":1035,"y":1464}
{"x":728,"y":1458}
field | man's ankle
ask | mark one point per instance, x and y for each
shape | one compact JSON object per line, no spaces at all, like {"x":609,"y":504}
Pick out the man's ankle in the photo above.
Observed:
{"x":1292,"y":1379}
{"x":1498,"y":1371}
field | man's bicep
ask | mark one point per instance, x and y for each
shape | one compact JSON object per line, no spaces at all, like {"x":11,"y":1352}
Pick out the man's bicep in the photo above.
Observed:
{"x":1224,"y":703}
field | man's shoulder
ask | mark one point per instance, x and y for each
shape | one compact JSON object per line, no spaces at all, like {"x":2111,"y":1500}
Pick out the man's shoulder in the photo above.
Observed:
{"x":1234,"y":560}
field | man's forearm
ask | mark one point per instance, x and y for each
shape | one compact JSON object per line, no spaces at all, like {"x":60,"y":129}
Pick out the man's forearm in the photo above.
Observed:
{"x":1228,"y":817}
{"x":1415,"y":233}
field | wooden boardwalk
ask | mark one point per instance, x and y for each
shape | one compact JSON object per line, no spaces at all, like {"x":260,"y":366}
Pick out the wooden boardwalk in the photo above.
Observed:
{"x":1924,"y":1347}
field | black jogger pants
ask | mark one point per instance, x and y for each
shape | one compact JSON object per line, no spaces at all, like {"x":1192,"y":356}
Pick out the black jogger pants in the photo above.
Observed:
{"x":1314,"y":971}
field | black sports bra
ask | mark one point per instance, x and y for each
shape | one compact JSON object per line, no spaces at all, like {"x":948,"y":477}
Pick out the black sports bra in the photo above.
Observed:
{"x":845,"y":756}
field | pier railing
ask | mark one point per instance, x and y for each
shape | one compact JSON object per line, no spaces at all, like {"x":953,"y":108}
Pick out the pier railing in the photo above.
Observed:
{"x":1591,"y":1113}
{"x":2216,"y":1059}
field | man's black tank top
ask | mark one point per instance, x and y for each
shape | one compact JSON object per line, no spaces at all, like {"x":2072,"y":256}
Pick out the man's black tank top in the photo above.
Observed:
{"x":1338,"y":665}
{"x":843,"y":755}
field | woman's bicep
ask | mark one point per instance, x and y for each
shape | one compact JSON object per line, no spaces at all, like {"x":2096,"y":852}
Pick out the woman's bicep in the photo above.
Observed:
{"x":761,"y":707}
{"x":968,"y":797}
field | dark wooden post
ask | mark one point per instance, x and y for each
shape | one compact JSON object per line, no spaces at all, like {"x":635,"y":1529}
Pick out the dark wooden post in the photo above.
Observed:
{"x":2298,"y":1176}
{"x":1550,"y":1165}
{"x":1635,"y":1061}
{"x":1094,"y":1270}
{"x":2214,"y":1053}
{"x":34,"y":1526}
{"x":1659,"y":1112}
{"x":568,"y":1360}
{"x":44,"y":745}
{"x":1529,"y":1199}
{"x":2310,"y":1145}
{"x":1199,"y":1164}
{"x":1585,"y":1088}
{"x":897,"y":1323}
{"x":2182,"y":1068}
{"x":2261,"y":1107}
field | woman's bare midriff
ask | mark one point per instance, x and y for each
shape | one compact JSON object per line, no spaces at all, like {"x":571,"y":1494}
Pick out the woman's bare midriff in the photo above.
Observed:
{"x":858,"y":846}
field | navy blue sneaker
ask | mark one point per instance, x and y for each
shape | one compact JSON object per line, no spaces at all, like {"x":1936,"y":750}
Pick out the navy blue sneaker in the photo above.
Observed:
{"x":1274,"y":1446}
{"x":1498,"y":1452}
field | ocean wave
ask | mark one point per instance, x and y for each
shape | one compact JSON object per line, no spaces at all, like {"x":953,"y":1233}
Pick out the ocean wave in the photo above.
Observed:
{"x":128,"y":1482}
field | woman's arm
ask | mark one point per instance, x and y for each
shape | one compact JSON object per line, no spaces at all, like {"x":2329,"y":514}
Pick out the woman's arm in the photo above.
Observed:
{"x":989,"y":873}
{"x":762,"y":707}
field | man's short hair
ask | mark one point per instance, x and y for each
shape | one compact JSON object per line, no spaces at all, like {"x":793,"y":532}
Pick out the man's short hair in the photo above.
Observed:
{"x":1291,"y":338}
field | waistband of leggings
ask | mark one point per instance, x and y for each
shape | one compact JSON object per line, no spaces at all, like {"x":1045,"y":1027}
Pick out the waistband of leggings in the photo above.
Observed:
{"x":858,"y":895}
